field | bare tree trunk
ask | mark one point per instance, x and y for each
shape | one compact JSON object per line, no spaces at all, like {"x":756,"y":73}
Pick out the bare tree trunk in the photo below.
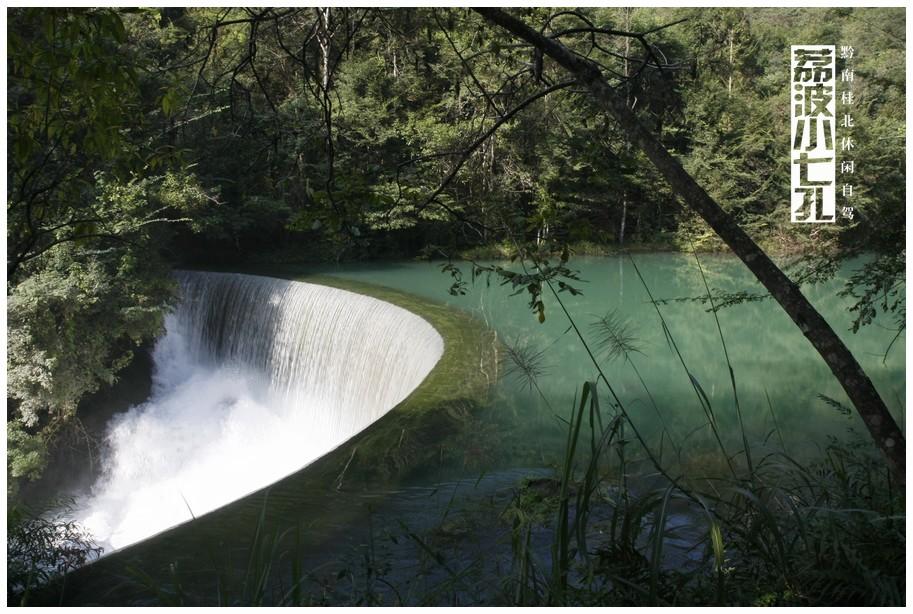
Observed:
{"x":627,"y":74}
{"x":839,"y":359}
{"x":325,"y":42}
{"x":323,"y":39}
{"x":624,"y":214}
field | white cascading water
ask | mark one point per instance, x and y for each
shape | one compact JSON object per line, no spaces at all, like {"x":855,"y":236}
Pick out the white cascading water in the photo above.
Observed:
{"x":254,"y":379}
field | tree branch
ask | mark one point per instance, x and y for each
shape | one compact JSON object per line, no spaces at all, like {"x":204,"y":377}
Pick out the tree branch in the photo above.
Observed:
{"x":485,"y":135}
{"x":833,"y":351}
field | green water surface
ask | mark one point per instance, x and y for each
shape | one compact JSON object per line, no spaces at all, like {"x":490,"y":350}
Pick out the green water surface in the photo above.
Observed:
{"x":780,"y":379}
{"x":336,"y":514}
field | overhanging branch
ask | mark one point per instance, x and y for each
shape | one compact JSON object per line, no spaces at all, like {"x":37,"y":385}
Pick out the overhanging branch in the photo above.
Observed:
{"x":857,"y":385}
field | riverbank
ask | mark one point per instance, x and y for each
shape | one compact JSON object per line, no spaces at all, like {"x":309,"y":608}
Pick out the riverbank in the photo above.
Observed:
{"x":778,"y":247}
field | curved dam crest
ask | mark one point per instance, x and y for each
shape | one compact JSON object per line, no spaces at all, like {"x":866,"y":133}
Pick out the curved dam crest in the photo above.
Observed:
{"x":254,"y":379}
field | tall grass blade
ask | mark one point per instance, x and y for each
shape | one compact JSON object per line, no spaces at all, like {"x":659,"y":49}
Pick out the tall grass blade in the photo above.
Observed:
{"x":735,"y":391}
{"x":659,"y":540}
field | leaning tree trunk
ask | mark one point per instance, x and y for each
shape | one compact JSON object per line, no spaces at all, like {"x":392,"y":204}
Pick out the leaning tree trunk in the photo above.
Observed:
{"x":843,"y":365}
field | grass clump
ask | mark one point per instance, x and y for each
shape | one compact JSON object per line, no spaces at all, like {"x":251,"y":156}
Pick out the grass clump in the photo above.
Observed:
{"x":42,"y":545}
{"x":828,"y":532}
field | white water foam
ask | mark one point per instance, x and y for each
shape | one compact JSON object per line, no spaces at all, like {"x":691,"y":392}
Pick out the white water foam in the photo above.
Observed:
{"x":254,"y":379}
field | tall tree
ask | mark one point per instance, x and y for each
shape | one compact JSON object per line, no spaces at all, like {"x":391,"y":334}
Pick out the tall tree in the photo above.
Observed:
{"x":87,"y":197}
{"x":833,"y":351}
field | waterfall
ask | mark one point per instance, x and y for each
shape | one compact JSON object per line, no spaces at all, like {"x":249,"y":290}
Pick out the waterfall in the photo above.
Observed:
{"x":254,"y":379}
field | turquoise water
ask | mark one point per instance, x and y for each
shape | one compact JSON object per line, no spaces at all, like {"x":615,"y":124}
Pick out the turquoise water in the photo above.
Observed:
{"x":458,"y":506}
{"x":779,"y":376}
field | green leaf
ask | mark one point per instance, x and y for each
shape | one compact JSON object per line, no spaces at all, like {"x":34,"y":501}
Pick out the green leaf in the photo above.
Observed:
{"x":170,"y":102}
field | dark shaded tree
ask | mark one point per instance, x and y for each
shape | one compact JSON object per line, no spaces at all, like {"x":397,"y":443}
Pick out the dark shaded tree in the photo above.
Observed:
{"x":833,"y":351}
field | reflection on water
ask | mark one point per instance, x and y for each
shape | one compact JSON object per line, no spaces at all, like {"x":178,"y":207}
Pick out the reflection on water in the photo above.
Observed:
{"x":779,"y":375}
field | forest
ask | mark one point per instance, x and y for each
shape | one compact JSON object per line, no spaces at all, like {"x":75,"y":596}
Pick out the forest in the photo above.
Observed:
{"x":554,"y":154}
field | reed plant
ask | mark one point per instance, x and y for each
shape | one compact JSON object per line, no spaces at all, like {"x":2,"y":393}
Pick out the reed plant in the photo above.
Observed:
{"x":619,"y":525}
{"x":777,"y":531}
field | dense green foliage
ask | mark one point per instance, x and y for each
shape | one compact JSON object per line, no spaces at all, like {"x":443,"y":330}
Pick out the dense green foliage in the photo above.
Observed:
{"x":145,"y":139}
{"x":88,"y":199}
{"x":406,"y":92}
{"x":361,"y":133}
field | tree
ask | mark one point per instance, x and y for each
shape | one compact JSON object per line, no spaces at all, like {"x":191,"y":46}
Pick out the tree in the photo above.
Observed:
{"x":843,"y":365}
{"x":88,"y":199}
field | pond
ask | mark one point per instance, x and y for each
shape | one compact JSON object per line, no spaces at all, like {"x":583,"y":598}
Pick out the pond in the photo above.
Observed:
{"x":788,"y":400}
{"x":780,"y":379}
